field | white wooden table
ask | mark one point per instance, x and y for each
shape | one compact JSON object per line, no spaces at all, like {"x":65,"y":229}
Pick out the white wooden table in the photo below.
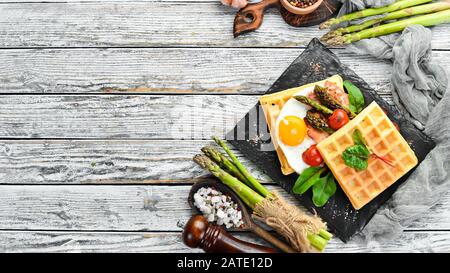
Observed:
{"x":93,"y":94}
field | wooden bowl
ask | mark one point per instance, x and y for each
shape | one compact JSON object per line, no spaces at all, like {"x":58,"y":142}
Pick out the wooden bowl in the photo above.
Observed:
{"x":300,"y":11}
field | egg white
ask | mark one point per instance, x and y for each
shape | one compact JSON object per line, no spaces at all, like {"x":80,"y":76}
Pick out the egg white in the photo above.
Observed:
{"x":294,"y":153}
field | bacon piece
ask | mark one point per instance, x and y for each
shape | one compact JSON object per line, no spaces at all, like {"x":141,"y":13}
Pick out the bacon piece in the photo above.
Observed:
{"x":337,"y":93}
{"x":315,"y":134}
{"x":312,"y":95}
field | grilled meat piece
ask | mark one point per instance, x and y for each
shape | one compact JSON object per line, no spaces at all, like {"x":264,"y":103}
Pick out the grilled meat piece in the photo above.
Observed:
{"x":337,"y":93}
{"x":316,"y":134}
{"x":316,"y":120}
{"x":327,"y":100}
{"x":316,"y":105}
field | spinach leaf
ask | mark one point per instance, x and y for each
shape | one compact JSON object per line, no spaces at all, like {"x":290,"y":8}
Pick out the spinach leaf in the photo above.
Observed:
{"x":358,"y":139}
{"x":356,"y":156}
{"x":355,"y":97}
{"x":323,"y":190}
{"x":306,"y":179}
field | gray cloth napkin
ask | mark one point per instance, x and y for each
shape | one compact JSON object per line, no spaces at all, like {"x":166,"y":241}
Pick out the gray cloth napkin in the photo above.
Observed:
{"x":419,"y":89}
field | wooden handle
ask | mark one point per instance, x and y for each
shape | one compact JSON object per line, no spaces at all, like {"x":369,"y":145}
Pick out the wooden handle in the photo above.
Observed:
{"x":198,"y":233}
{"x":250,"y":18}
{"x":271,"y":239}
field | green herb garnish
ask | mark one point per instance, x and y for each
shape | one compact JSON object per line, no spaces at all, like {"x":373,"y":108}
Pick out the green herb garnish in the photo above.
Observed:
{"x":355,"y":97}
{"x":358,"y":139}
{"x":322,"y":182}
{"x":307,"y":179}
{"x":357,"y":156}
{"x":323,"y":190}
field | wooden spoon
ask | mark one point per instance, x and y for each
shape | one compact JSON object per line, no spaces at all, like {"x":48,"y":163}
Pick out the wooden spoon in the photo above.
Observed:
{"x":249,"y":224}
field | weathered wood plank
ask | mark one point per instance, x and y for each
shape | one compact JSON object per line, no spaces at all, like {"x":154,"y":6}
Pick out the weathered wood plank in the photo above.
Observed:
{"x":163,"y":70}
{"x":124,"y":162}
{"x":147,"y":24}
{"x":166,"y":71}
{"x":126,"y":208}
{"x":30,"y":241}
{"x":104,"y":162}
{"x":98,"y":116}
{"x":122,"y":117}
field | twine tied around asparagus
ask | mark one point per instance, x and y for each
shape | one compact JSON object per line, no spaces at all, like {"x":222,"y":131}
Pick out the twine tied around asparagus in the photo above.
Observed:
{"x":288,"y":221}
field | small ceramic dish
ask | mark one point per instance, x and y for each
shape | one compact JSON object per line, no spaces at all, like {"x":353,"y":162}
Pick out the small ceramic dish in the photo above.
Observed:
{"x":300,"y":11}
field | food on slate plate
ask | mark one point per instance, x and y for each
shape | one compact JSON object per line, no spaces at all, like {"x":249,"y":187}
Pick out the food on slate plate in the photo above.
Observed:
{"x":312,"y":156}
{"x":367,"y":155}
{"x":338,"y":119}
{"x":317,"y":121}
{"x":279,"y":105}
{"x":357,"y":156}
{"x":360,"y":148}
{"x":218,"y":207}
{"x":300,"y":229}
{"x":429,"y":15}
{"x":328,"y":100}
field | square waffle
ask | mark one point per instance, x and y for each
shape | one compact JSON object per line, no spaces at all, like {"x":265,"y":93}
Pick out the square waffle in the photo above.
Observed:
{"x":382,"y":138}
{"x":272,"y":105}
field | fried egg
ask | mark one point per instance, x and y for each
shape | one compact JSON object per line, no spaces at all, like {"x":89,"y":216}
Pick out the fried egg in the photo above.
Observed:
{"x":292,"y":131}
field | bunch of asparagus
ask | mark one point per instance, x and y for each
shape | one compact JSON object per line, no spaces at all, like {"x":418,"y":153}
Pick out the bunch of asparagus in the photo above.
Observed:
{"x":300,"y":229}
{"x":427,"y":15}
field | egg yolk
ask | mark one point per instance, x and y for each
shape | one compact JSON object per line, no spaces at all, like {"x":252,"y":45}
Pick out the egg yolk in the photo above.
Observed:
{"x":292,"y":130}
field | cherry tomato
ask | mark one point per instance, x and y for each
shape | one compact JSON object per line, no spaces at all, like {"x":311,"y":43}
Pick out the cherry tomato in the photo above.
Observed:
{"x":338,"y":119}
{"x":312,"y":156}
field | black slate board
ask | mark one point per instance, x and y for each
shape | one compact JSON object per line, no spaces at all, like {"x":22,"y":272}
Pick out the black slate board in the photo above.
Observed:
{"x":314,"y":64}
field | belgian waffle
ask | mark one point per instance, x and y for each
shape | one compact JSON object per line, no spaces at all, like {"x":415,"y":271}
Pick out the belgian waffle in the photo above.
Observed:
{"x":272,"y":105}
{"x":382,"y":138}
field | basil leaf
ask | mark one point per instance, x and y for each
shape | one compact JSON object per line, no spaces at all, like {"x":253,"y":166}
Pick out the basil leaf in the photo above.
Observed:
{"x":323,"y":190}
{"x":356,"y":156}
{"x":355,"y":97}
{"x":358,"y":139}
{"x":306,"y":179}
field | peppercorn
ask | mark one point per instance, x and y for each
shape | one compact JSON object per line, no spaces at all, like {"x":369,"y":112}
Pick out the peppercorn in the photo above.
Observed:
{"x":302,"y":3}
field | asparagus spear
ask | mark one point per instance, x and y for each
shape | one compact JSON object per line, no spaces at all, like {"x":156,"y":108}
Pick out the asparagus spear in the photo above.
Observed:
{"x":372,"y":11}
{"x":249,"y":196}
{"x":224,"y":163}
{"x":250,"y":179}
{"x":319,"y":107}
{"x":417,"y":10}
{"x":329,"y":101}
{"x":318,"y":121}
{"x":432,"y":19}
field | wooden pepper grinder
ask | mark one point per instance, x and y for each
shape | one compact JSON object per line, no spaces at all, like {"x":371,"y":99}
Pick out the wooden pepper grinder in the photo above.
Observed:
{"x":198,"y":233}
